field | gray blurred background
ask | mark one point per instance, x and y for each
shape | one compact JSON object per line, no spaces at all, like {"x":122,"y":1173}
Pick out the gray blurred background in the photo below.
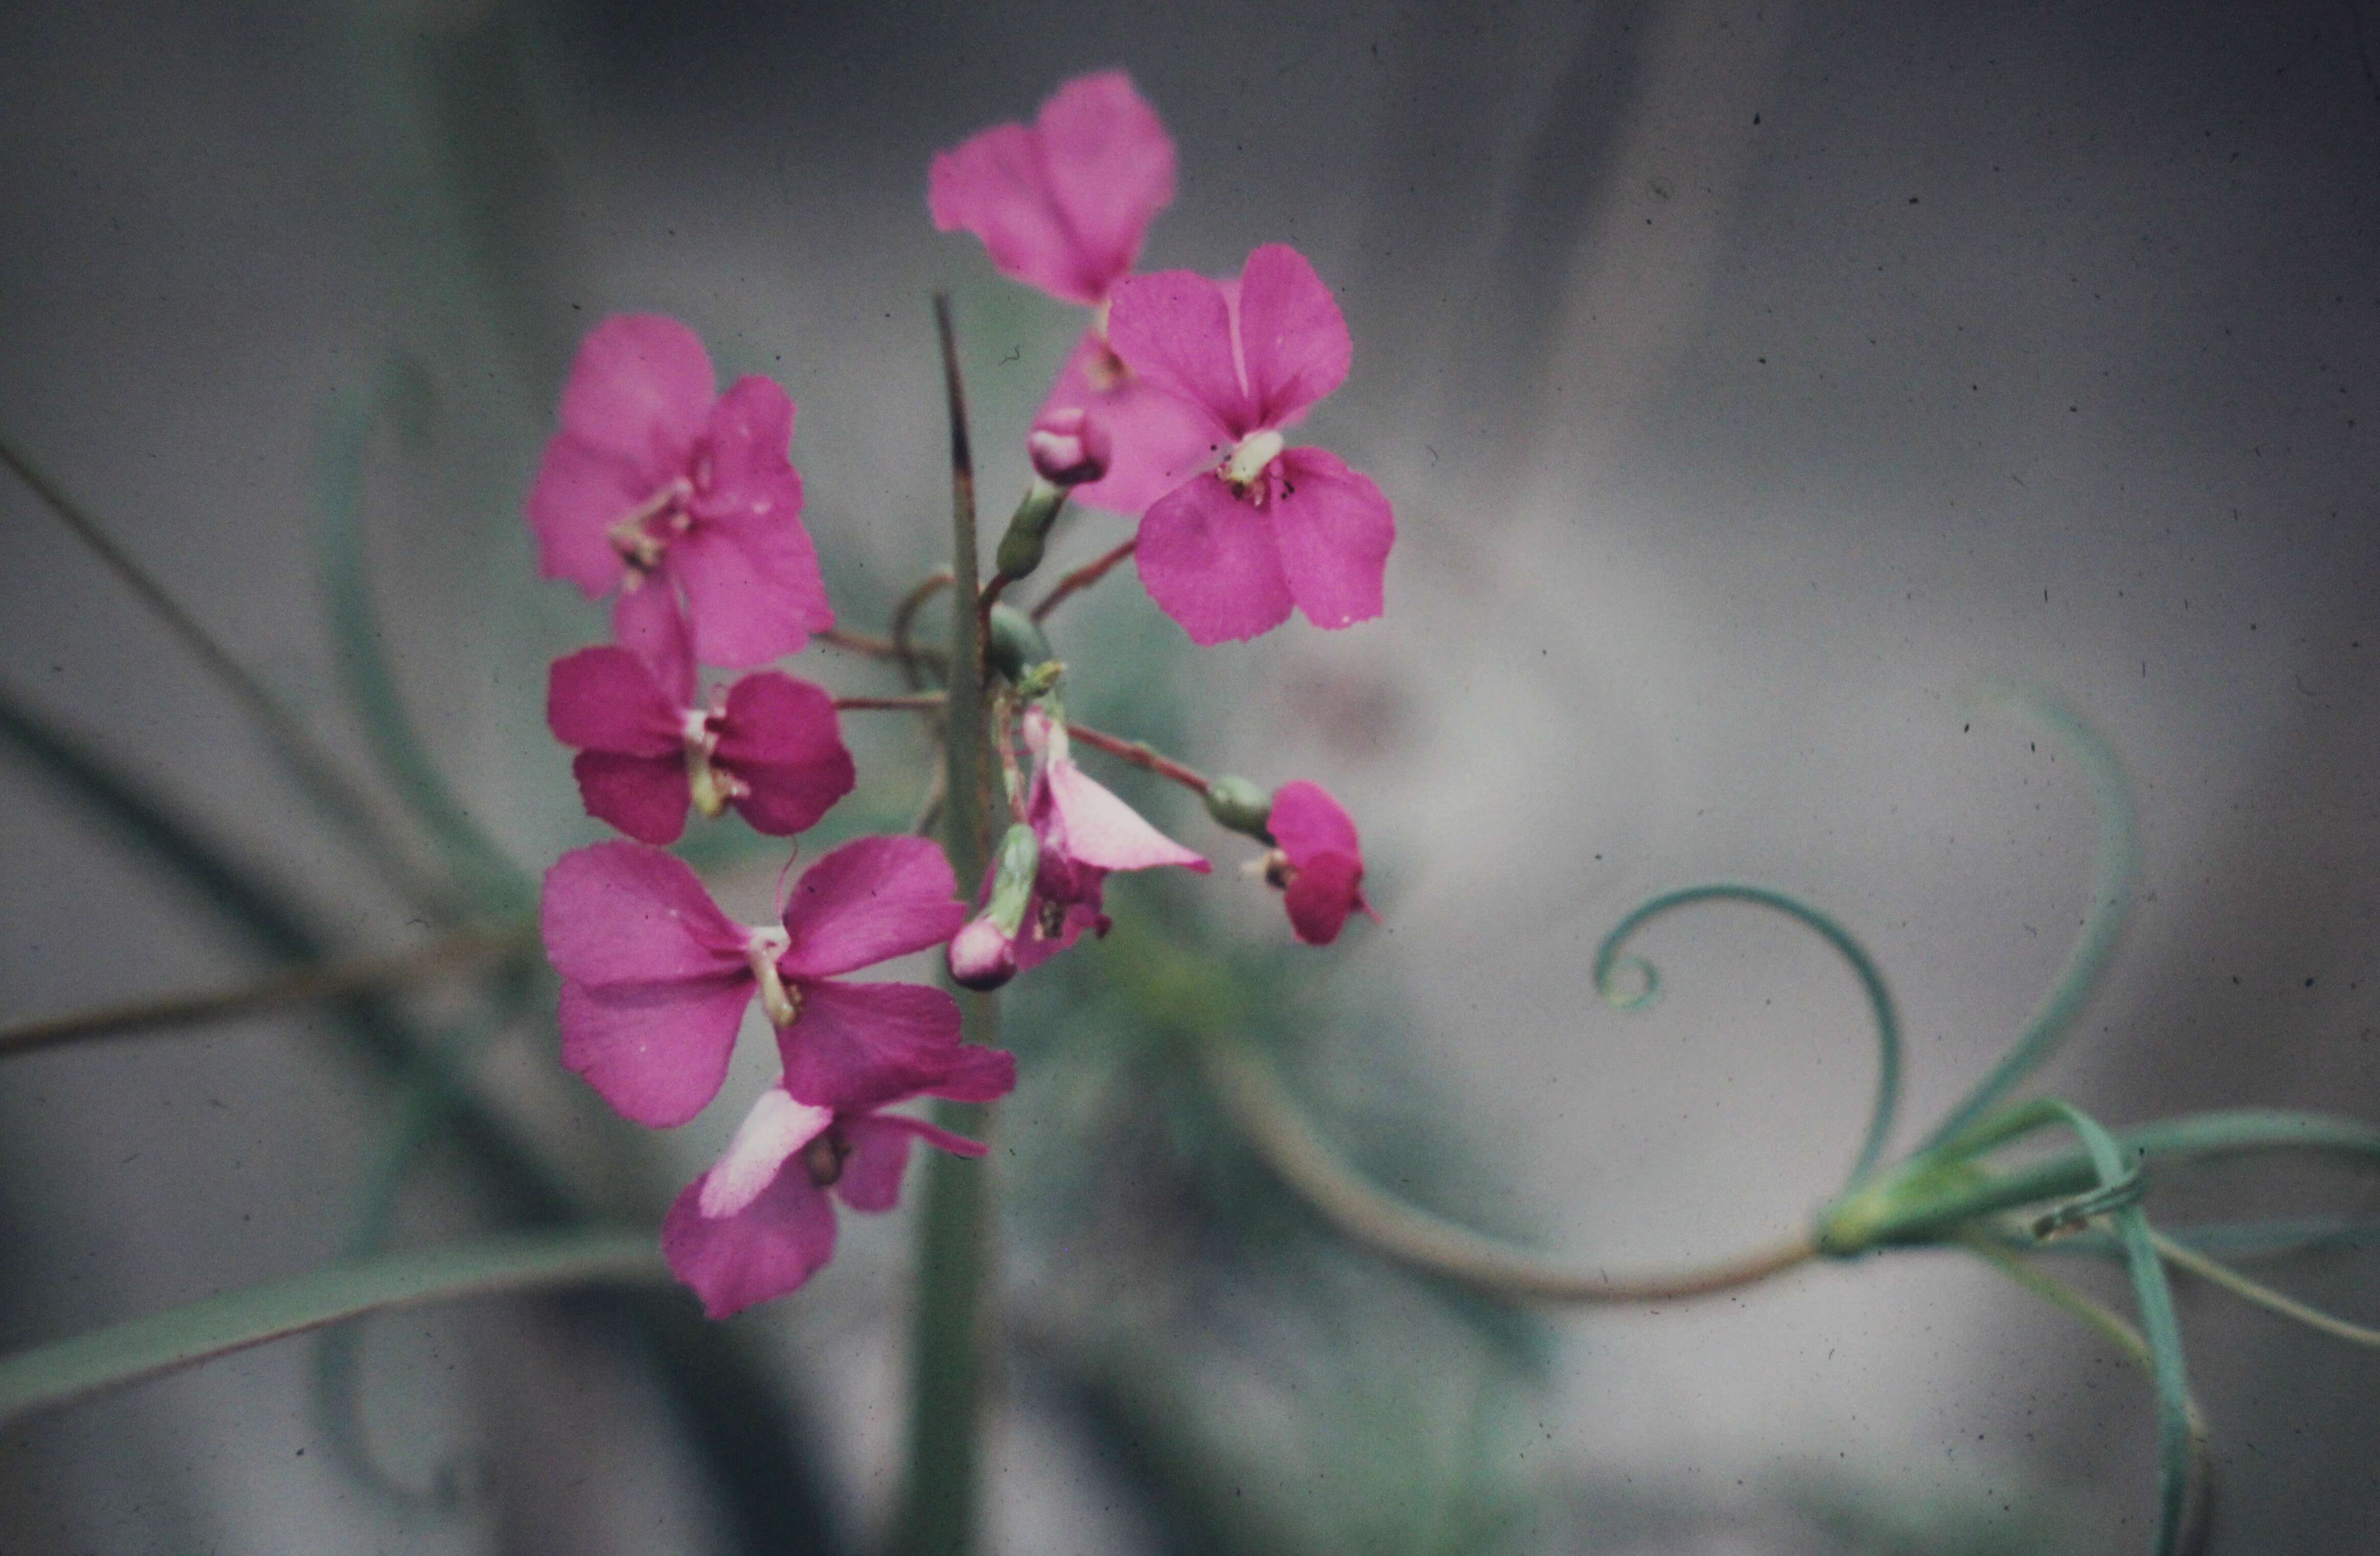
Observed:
{"x":1752,"y":383}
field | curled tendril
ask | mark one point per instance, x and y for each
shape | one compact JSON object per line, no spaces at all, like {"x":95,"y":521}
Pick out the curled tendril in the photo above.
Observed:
{"x":1610,"y":964}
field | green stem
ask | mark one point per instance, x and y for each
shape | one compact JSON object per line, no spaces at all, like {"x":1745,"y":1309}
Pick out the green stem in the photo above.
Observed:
{"x":949,"y":1354}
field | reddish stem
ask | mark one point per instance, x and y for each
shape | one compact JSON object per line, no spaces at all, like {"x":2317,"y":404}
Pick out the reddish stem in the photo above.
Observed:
{"x":1082,"y":579}
{"x":1139,"y":755}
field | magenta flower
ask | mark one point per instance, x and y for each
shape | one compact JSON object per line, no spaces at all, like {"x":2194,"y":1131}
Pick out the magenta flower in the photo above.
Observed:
{"x":762,"y":1222}
{"x":1265,"y":525}
{"x":681,"y":500}
{"x":770,"y":747}
{"x":1084,"y":832}
{"x":1064,"y":205}
{"x":1320,"y":865}
{"x":655,"y":979}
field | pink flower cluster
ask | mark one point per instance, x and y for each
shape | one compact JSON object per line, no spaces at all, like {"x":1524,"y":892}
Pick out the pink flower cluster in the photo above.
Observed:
{"x":682,"y":505}
{"x":1193,"y":380}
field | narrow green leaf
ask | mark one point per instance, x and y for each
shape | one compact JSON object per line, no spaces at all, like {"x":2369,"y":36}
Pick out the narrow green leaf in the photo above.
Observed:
{"x":49,"y":1376}
{"x":402,"y":393}
{"x":1608,"y":962}
{"x":2102,"y":921}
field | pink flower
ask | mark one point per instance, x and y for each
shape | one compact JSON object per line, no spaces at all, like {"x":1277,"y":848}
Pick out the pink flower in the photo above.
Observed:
{"x":658,"y":489}
{"x":1265,"y":525}
{"x":1062,"y":206}
{"x":770,"y":747}
{"x":1320,"y":865}
{"x":655,"y":979}
{"x":1084,"y":832}
{"x":762,"y":1222}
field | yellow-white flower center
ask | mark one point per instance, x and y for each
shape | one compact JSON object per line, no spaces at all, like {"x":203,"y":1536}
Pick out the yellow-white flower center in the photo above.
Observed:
{"x":1249,"y":460}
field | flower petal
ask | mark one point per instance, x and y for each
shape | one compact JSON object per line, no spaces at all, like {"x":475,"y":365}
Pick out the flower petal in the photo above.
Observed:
{"x":1064,"y":205}
{"x":780,"y":737}
{"x":1110,"y":169}
{"x":766,"y":1249}
{"x":1293,"y":337}
{"x":1209,"y":561}
{"x":1306,"y":821}
{"x":1157,"y":441}
{"x":872,"y":898}
{"x":1333,"y":530}
{"x":658,"y":1053}
{"x":644,"y":797}
{"x":879,"y":1152}
{"x":639,"y":389}
{"x":605,"y":700}
{"x":619,"y":914}
{"x":647,"y":622}
{"x":1328,"y":888}
{"x":1098,"y":829}
{"x":973,"y":1073}
{"x":749,"y":434}
{"x":775,"y":1128}
{"x":753,"y":590}
{"x":579,"y":494}
{"x":861,"y":1045}
{"x":1175,"y":329}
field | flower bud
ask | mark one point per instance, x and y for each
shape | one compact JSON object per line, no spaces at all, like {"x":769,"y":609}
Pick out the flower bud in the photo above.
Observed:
{"x":1070,"y":447}
{"x":983,"y":955}
{"x":1016,"y":644}
{"x":1241,"y":806}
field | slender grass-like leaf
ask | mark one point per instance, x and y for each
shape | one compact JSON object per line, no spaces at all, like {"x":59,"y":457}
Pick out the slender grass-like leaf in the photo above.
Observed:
{"x":50,"y":1376}
{"x":2160,"y":1329}
{"x":1608,"y":962}
{"x":2102,"y":921}
{"x":2262,"y":1295}
{"x":402,"y":394}
{"x":318,"y":774}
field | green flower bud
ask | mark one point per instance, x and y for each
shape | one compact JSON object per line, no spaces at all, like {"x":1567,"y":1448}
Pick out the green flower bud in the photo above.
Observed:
{"x":1241,"y":806}
{"x":1020,"y":548}
{"x":1017,"y":643}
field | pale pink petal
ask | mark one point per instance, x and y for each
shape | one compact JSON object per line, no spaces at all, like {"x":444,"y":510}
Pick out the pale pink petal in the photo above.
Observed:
{"x":1175,"y":329}
{"x":647,"y":622}
{"x":861,"y":1045}
{"x":872,"y":898}
{"x":880,"y":1151}
{"x":1333,"y":530}
{"x":1156,"y":441}
{"x":644,"y":797}
{"x":639,"y":389}
{"x":616,"y":913}
{"x":656,"y":1051}
{"x":1209,"y":561}
{"x":1328,"y":888}
{"x":1109,"y":166}
{"x":605,"y":700}
{"x":753,"y":590}
{"x":1293,"y":337}
{"x":995,"y":187}
{"x":767,"y":1249}
{"x":581,"y":492}
{"x":775,"y":1128}
{"x":1306,"y":821}
{"x":780,"y":737}
{"x":748,"y":436}
{"x":1100,"y":830}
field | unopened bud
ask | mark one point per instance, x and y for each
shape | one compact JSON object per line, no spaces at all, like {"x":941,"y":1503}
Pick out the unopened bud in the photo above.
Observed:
{"x":1017,"y":644}
{"x":1070,"y":447}
{"x":983,"y":955}
{"x":1241,"y":806}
